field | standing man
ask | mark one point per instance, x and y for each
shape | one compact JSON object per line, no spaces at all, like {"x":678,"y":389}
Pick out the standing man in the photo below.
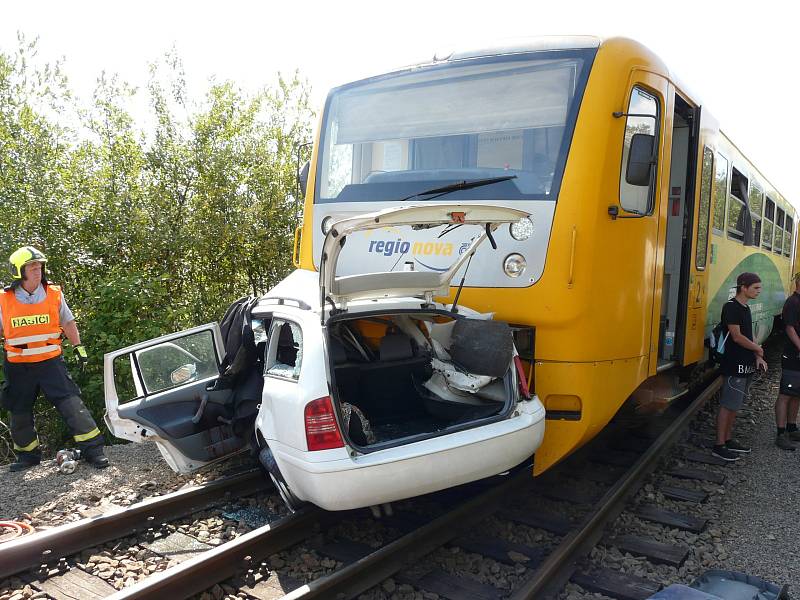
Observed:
{"x":739,"y":361}
{"x":33,"y":314}
{"x":788,"y":401}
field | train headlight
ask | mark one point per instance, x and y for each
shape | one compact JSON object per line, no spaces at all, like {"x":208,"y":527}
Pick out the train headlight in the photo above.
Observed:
{"x":327,"y":223}
{"x":522,"y":229}
{"x":514,"y":265}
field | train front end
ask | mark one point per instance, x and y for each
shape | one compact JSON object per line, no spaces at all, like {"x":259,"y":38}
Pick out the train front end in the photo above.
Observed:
{"x":503,"y":127}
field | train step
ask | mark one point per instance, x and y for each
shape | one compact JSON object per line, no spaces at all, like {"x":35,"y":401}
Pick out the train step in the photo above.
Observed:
{"x":658,"y":392}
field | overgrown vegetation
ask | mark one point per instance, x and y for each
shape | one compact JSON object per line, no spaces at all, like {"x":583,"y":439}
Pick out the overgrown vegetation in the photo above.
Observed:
{"x":149,"y":228}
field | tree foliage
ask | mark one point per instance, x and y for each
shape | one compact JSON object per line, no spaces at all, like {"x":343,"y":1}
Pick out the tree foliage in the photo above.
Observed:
{"x":150,"y":229}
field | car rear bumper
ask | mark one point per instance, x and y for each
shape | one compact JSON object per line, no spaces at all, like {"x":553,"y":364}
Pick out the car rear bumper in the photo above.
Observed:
{"x":335,"y":481}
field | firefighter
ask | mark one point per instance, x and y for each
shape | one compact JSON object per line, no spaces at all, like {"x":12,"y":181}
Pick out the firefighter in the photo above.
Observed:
{"x":33,"y":314}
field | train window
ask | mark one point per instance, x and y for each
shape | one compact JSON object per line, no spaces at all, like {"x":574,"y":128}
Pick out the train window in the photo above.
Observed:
{"x":720,"y":194}
{"x":740,"y":227}
{"x":769,"y":219}
{"x":387,"y":137}
{"x":739,"y":184}
{"x":704,"y":209}
{"x":787,"y":238}
{"x":756,"y":208}
{"x":777,"y":245}
{"x":737,"y":219}
{"x":639,"y":198}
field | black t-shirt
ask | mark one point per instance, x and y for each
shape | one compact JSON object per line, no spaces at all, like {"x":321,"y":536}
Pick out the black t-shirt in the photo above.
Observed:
{"x":737,"y":360}
{"x":791,"y":318}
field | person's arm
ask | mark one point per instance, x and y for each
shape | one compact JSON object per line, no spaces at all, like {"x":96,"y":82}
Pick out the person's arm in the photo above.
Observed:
{"x":791,"y":318}
{"x":71,"y":331}
{"x":791,"y":332}
{"x":741,"y":339}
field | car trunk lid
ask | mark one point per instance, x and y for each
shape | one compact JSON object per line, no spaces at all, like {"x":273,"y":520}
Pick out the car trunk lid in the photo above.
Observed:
{"x":397,"y":284}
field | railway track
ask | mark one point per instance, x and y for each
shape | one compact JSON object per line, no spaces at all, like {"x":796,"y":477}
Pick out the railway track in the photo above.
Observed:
{"x":545,"y":573}
{"x":49,"y":554}
{"x":408,"y":541}
{"x":558,"y":568}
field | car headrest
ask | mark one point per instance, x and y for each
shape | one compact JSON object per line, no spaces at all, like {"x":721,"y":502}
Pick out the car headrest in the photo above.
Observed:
{"x":285,"y":336}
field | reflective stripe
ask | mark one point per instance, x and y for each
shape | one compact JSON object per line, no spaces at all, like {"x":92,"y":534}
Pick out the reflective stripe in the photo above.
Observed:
{"x":32,"y":351}
{"x":27,"y":448}
{"x":87,"y":436}
{"x":33,"y":338}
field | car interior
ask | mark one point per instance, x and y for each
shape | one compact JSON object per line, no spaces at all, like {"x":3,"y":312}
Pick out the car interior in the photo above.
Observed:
{"x":384,"y":366}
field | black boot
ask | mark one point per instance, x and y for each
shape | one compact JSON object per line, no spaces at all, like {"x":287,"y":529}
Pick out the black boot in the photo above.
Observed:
{"x":95,"y":457}
{"x":24,"y":461}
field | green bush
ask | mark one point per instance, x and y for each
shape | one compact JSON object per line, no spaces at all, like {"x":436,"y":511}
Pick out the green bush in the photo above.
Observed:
{"x":148,"y":231}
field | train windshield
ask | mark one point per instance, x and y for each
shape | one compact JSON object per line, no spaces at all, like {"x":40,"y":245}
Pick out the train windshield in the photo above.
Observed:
{"x":396,"y":135}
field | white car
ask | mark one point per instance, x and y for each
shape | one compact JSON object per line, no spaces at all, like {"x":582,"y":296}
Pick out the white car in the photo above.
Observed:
{"x":380,"y":394}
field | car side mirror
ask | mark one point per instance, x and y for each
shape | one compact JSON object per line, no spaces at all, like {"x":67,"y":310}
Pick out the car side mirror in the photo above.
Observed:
{"x":640,"y":159}
{"x":183,"y":374}
{"x":302,"y":178}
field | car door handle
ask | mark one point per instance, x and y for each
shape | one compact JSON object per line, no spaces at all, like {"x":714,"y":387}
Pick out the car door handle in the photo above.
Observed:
{"x":199,"y":415}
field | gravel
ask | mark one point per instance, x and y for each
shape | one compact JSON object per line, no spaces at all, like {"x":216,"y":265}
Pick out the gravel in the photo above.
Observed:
{"x":752,"y":516}
{"x":760,"y":510}
{"x":44,"y":497}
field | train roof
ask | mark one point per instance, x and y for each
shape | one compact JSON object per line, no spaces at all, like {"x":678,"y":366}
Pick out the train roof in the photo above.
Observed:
{"x":521,"y":45}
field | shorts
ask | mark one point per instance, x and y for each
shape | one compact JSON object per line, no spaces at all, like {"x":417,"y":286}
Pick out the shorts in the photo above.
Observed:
{"x":790,"y":382}
{"x":734,"y":391}
{"x":790,"y":361}
{"x":24,"y":381}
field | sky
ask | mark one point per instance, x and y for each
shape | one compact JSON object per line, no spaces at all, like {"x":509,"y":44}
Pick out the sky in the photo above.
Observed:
{"x":740,"y":58}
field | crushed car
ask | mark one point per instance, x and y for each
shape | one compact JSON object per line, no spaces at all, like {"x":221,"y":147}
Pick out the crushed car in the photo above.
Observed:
{"x":354,"y":390}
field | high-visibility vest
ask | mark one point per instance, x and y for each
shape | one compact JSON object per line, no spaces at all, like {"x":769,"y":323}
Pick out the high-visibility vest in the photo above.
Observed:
{"x":32,"y":331}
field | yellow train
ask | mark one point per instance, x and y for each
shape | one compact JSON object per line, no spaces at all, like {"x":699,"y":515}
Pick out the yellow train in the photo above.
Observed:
{"x":642,"y":211}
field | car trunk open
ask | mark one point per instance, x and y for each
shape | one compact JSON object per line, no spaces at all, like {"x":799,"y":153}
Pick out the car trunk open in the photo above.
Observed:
{"x":340,"y":290}
{"x":410,"y":375}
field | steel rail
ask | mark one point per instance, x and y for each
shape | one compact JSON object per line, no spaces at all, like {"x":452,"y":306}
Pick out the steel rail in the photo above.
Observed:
{"x":215,"y":565}
{"x":41,"y":548}
{"x":370,"y":570}
{"x":550,"y":576}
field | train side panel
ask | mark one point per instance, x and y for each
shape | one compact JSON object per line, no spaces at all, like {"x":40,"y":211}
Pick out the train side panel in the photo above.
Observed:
{"x":729,"y":257}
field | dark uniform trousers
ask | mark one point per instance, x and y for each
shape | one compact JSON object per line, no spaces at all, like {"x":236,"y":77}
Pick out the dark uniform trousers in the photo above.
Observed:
{"x":23,"y":382}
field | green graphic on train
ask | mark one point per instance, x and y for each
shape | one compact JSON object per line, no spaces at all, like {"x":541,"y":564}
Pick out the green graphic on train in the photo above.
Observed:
{"x":764,"y":308}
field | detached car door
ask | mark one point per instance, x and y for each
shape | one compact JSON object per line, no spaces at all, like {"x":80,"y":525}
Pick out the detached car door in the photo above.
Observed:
{"x":160,"y":390}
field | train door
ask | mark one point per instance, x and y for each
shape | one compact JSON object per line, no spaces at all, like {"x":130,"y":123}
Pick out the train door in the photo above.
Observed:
{"x":678,"y":241}
{"x":698,"y":274}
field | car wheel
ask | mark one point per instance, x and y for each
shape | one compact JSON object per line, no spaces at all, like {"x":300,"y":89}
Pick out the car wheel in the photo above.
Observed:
{"x":293,"y":503}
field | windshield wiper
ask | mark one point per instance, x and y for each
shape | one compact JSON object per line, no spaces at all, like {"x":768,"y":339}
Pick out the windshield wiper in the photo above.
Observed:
{"x":461,"y":185}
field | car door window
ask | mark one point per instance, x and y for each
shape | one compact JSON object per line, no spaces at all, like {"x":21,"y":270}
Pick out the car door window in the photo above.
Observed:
{"x":127,"y":384}
{"x":285,"y":351}
{"x":177,"y":362}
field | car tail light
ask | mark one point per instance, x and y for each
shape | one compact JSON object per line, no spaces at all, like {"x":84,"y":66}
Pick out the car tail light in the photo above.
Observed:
{"x":521,"y":379}
{"x":322,"y":430}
